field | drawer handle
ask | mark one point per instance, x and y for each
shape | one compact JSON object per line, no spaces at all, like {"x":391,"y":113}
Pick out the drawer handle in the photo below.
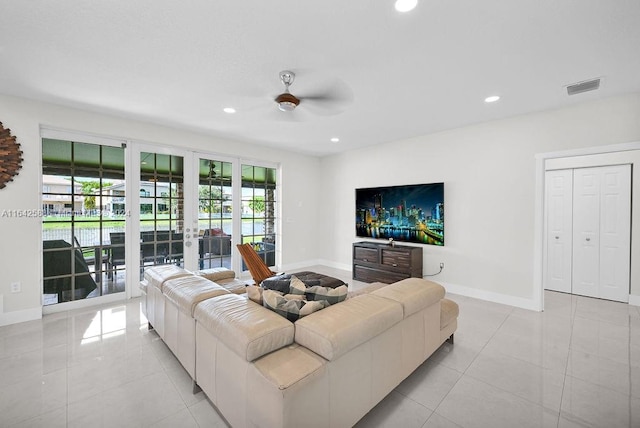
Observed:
{"x":365,"y":260}
{"x":394,"y":264}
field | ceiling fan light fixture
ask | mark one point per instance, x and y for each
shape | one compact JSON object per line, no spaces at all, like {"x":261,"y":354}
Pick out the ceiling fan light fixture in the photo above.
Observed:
{"x":287,"y":102}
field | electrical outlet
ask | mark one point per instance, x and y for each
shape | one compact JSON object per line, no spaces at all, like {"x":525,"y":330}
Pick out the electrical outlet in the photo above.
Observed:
{"x":441,"y":265}
{"x":15,"y":287}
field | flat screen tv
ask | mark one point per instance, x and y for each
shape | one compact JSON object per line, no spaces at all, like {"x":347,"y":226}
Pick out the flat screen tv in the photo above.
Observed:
{"x":408,"y":213}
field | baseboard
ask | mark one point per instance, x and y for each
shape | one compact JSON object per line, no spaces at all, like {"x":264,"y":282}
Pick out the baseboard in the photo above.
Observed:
{"x":634,"y":300}
{"x":335,"y":265}
{"x":305,"y":264}
{"x":84,"y":303}
{"x":15,"y":317}
{"x":490,"y":296}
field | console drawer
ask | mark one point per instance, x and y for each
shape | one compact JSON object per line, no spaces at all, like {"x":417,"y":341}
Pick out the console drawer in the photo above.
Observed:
{"x":396,"y":259}
{"x":368,"y":255}
{"x":367,"y":274}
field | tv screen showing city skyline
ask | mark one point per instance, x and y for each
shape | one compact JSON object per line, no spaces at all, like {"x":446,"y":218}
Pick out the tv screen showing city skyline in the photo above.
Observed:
{"x":407,"y":213}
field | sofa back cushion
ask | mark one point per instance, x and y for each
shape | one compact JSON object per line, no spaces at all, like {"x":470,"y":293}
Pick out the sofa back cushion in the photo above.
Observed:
{"x":245,"y":327}
{"x":414,"y":294}
{"x":216,"y":274}
{"x":339,"y":328}
{"x":157,"y":275}
{"x":187,"y":291}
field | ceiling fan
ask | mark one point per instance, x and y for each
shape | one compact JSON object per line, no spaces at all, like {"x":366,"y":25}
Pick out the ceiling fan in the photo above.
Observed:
{"x":330,"y":101}
{"x":287,"y":101}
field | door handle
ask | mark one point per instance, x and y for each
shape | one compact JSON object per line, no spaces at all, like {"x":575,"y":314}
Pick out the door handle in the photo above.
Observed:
{"x":588,"y":239}
{"x":557,"y":237}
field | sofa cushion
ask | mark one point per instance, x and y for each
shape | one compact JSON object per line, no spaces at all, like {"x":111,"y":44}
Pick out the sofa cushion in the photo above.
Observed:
{"x":157,"y":275}
{"x":413,"y":294}
{"x":247,"y":328}
{"x":339,"y":328}
{"x":216,"y":274}
{"x":289,"y":365}
{"x":187,"y":291}
{"x":318,"y":292}
{"x":254,"y":293}
{"x":236,"y":286}
{"x":290,"y":308}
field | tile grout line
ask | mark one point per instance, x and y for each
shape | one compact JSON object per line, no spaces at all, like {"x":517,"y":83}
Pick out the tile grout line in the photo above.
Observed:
{"x":464,"y":373}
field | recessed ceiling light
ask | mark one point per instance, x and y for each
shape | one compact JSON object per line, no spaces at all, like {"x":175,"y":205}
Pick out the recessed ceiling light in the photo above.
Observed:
{"x":492,"y":99}
{"x":406,"y":5}
{"x":229,"y":110}
{"x":335,"y":139}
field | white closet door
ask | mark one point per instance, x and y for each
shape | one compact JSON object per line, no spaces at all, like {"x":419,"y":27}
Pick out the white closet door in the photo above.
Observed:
{"x":615,"y":232}
{"x":602,"y":232}
{"x":559,"y":223}
{"x":586,"y":231}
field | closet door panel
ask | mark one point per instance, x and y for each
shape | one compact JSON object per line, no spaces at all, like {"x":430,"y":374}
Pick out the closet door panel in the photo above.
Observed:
{"x":586,"y":232}
{"x":615,"y":232}
{"x":559,"y":220}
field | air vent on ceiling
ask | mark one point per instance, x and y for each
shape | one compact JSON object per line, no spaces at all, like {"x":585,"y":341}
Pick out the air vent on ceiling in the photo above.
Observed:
{"x":587,"y":85}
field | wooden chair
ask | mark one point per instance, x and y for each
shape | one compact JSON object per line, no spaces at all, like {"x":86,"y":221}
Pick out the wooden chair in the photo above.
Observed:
{"x":257,"y":267}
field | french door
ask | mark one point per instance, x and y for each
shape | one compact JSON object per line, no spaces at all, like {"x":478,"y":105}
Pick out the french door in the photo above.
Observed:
{"x":237,"y":203}
{"x":195,"y":207}
{"x":114,"y":208}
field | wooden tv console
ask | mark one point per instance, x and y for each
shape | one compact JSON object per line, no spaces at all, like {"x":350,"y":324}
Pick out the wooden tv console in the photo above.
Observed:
{"x":385,"y":263}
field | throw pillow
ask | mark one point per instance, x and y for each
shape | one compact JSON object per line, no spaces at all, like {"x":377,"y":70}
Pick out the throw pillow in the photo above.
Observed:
{"x":290,"y":309}
{"x":278,"y":283}
{"x":318,"y":292}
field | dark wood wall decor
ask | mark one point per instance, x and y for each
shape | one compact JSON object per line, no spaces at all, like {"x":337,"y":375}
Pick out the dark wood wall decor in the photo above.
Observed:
{"x":10,"y":156}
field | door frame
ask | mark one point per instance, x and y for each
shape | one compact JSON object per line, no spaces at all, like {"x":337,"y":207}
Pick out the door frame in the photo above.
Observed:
{"x":609,"y":155}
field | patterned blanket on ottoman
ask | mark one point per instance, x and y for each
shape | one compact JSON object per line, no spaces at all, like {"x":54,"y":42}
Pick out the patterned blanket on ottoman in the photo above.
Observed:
{"x":282,"y":282}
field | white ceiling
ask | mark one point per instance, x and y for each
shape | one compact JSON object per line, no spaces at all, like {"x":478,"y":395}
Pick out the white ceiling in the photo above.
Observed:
{"x":400,"y":75}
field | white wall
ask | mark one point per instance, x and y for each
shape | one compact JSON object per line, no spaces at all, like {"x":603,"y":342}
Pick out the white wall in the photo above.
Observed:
{"x":489,"y":171}
{"x":20,"y":237}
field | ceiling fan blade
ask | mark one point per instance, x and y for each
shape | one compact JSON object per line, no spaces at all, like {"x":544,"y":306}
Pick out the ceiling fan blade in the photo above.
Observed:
{"x":333,"y":100}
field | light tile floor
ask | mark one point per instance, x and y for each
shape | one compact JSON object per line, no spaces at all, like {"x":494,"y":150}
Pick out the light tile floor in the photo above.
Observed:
{"x":575,"y":365}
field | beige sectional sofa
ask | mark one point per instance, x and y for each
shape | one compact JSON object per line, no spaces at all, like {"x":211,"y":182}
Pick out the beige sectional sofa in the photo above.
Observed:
{"x":327,"y":369}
